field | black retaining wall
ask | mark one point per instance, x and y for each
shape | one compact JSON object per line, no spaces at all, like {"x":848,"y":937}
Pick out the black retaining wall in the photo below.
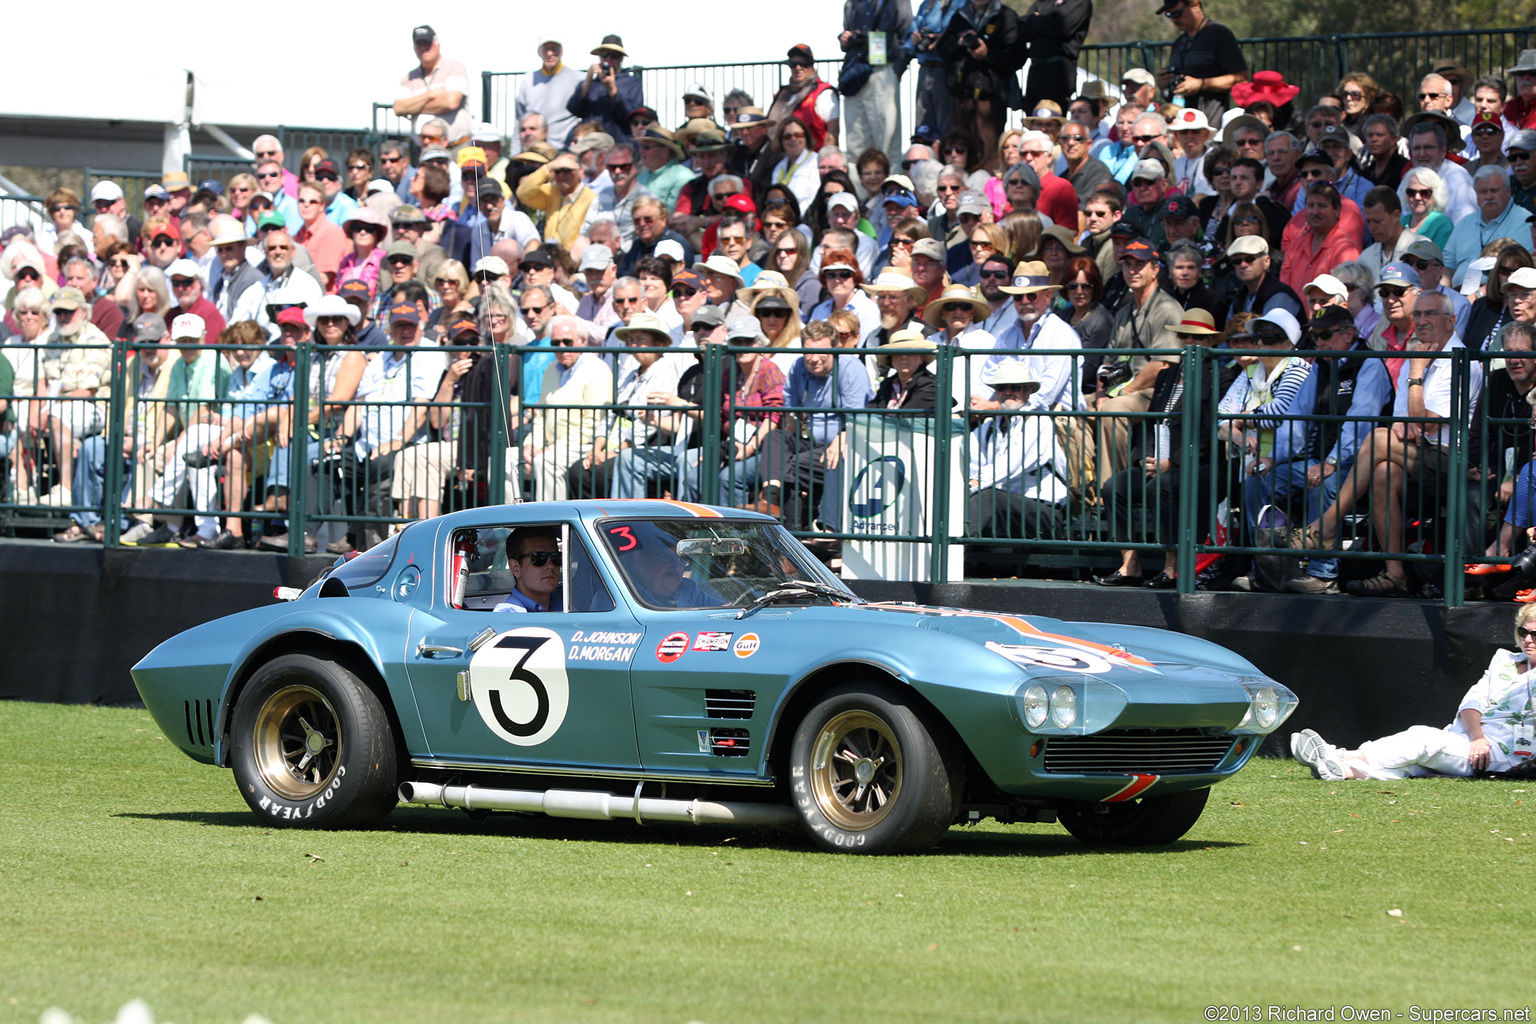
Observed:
{"x":76,"y":618}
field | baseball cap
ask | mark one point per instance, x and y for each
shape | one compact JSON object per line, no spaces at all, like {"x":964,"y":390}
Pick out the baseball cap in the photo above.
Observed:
{"x":1315,"y":156}
{"x":148,"y":327}
{"x":1150,"y":169}
{"x":925,"y":135}
{"x":1139,"y":249}
{"x":463,"y":325}
{"x":68,"y":298}
{"x":539,"y":257}
{"x":971,"y":201}
{"x":1426,"y":250}
{"x":1282,"y":319}
{"x":1138,"y":77}
{"x":1328,"y":285}
{"x":843,"y":201}
{"x":493,"y":265}
{"x":668,"y":249}
{"x":596,"y":257}
{"x":688,"y":279}
{"x":1123,"y":230}
{"x":270,"y":219}
{"x":1524,"y":277}
{"x":1180,"y":208}
{"x":697,"y":91}
{"x":292,"y":315}
{"x":401,"y":248}
{"x":800,"y":54}
{"x":741,"y":202}
{"x":423,"y":34}
{"x":188,"y":325}
{"x":212,"y":186}
{"x":407,"y":215}
{"x":929,"y":247}
{"x":1523,"y":140}
{"x":156,"y":192}
{"x":901,"y":197}
{"x":356,"y":290}
{"x":1400,"y":274}
{"x":1330,"y":318}
{"x":1335,"y":133}
{"x":744,"y":327}
{"x":404,"y":313}
{"x":106,"y":191}
{"x":436,"y":153}
{"x":708,"y":316}
{"x":182,"y":268}
{"x":487,"y":132}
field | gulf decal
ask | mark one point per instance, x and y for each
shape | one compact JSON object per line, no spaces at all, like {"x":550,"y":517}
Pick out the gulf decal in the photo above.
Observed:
{"x":747,"y":645}
{"x":1138,"y":785}
{"x":1115,"y":654}
{"x":671,"y":648}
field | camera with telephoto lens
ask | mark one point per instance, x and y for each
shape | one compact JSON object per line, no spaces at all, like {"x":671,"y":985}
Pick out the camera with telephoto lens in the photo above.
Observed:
{"x":1112,"y":375}
{"x":969,"y":39}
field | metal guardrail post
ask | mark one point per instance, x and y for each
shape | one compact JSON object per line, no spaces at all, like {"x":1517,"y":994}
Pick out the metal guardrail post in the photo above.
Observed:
{"x":1456,"y":480}
{"x":501,"y":395}
{"x":709,"y":423}
{"x":1189,"y":465}
{"x":938,"y":567}
{"x":298,"y":457}
{"x":112,"y":493}
{"x":487,"y":87}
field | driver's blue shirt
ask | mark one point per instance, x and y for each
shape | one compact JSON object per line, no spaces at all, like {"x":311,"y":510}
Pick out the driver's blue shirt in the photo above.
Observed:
{"x":517,"y":601}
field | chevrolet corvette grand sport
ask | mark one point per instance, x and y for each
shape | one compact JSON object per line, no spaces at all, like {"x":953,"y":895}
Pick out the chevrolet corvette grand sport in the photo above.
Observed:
{"x":659,"y":661}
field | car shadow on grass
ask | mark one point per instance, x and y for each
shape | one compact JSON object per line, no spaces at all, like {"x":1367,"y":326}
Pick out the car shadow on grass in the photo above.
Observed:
{"x":957,"y":842}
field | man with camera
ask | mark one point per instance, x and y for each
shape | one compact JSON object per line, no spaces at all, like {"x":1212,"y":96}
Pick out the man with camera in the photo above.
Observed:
{"x":608,"y":93}
{"x":983,"y":54}
{"x":928,"y":25}
{"x":1206,"y":61}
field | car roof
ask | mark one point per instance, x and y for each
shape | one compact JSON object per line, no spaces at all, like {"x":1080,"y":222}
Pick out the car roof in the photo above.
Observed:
{"x":589,"y":510}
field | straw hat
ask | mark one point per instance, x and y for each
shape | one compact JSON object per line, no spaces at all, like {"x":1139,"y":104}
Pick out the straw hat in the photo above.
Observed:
{"x":894,"y":281}
{"x":934,"y":316}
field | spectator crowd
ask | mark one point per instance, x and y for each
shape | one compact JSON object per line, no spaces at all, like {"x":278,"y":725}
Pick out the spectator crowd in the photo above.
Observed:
{"x":1330,"y":255}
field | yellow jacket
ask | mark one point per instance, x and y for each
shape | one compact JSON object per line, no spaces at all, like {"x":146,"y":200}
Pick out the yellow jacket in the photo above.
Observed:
{"x":563,"y":215}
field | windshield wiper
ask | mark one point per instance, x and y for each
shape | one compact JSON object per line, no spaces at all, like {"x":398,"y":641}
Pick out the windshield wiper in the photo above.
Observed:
{"x":793,"y":589}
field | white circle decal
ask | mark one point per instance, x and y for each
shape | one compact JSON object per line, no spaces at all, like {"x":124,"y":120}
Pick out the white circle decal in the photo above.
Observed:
{"x":520,"y":685}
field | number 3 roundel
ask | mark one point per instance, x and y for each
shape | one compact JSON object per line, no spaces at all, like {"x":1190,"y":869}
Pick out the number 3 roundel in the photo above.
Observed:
{"x":520,"y":685}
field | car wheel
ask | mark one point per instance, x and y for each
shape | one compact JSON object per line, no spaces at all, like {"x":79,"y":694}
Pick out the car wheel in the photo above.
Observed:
{"x":311,"y":746}
{"x":869,"y":777}
{"x":1150,"y":821}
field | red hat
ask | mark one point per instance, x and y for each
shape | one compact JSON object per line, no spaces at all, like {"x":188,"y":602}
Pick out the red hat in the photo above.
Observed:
{"x":293,"y":315}
{"x":1266,"y":85}
{"x":327,"y":165}
{"x":741,"y":202}
{"x":170,"y":227}
{"x":1488,"y":117}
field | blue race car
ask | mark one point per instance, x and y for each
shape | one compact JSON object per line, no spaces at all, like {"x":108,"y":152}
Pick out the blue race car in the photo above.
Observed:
{"x":660,"y":661}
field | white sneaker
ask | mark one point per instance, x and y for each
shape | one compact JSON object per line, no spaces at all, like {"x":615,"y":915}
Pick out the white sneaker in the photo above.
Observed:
{"x":58,"y":497}
{"x":1310,"y":749}
{"x":136,"y":533}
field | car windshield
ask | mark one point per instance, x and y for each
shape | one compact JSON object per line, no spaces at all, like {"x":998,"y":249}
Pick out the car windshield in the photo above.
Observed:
{"x":694,"y":563}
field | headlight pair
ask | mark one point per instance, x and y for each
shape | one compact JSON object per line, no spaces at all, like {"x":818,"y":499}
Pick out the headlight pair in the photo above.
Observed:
{"x":1060,"y":706}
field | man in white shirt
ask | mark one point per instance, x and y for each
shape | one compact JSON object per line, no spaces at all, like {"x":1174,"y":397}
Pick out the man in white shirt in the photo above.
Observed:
{"x":1017,"y":470}
{"x":1037,"y":327}
{"x":436,"y":88}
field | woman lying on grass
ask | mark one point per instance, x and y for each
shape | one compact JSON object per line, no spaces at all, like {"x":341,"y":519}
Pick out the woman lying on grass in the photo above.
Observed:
{"x":1492,"y":731}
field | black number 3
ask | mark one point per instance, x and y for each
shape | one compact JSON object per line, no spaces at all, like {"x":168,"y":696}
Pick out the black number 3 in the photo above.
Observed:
{"x":527,"y":644}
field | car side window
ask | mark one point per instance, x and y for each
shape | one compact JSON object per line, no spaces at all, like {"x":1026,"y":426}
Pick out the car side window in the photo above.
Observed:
{"x":480,"y":557}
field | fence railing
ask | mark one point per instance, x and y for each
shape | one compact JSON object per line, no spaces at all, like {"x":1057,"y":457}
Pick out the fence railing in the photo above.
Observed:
{"x":1314,"y":63}
{"x":1005,"y":486}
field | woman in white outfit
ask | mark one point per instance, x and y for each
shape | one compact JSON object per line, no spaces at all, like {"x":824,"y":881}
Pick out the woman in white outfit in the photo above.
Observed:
{"x":1492,"y":731}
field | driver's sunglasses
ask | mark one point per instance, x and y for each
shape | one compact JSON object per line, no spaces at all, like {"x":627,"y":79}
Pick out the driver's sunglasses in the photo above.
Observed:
{"x":543,"y":558}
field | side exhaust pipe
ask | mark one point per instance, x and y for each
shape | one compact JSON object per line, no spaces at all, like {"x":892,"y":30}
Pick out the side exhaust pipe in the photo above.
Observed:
{"x":595,"y":806}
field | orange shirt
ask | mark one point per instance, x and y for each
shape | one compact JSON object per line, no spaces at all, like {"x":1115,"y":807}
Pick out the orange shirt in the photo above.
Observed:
{"x":1302,"y":264}
{"x":326,"y":244}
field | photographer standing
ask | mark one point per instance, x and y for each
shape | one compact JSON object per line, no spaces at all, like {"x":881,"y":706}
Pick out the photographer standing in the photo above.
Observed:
{"x":874,"y":34}
{"x":932,"y":109}
{"x":1206,"y":61}
{"x":983,"y":53}
{"x":608,"y":93}
{"x":1054,"y":31}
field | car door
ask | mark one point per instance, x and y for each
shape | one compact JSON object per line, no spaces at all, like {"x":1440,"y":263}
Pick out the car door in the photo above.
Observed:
{"x":538,"y":688}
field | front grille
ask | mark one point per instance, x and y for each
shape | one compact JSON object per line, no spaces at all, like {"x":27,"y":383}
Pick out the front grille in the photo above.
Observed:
{"x":729,"y":703}
{"x":1150,"y":751}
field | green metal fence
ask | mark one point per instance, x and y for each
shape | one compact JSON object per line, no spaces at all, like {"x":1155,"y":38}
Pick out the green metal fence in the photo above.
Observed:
{"x":910,"y":492}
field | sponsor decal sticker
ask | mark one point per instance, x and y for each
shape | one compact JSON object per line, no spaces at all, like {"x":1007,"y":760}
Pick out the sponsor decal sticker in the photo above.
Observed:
{"x":713,"y":642}
{"x":520,"y":685}
{"x":747,"y":645}
{"x":672,"y":648}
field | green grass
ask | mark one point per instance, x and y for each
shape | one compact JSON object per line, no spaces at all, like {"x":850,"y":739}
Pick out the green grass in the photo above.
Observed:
{"x":128,"y":871}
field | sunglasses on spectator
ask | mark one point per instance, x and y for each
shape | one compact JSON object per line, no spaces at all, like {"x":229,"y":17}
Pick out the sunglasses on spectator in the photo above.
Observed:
{"x":161,"y":240}
{"x":902,"y":243}
{"x":1077,"y":286}
{"x":1031,"y":154}
{"x":1317,"y":172}
{"x":1390,"y":292}
{"x":1245,"y":259}
{"x":1073,"y":138}
{"x":621,"y":166}
{"x":848,"y":335}
{"x":793,"y":135}
{"x":358,"y":167}
{"x":61,"y":207}
{"x":955,"y":307}
{"x":563,"y":342}
{"x":995,"y":273}
{"x":981,"y":244}
{"x":120,"y":264}
{"x":1009,"y":388}
{"x":1416,"y":263}
{"x":1515,"y":154}
{"x":330,"y":319}
{"x":1144,"y":139}
{"x":620,"y":300}
{"x":389,"y":159}
{"x":1431,"y":95}
{"x":327,"y":176}
{"x":684,"y":293}
{"x":1526,"y":634}
{"x":28,"y":274}
{"x":837,"y":275}
{"x":777,"y":314}
{"x":183,"y":282}
{"x":1143,"y":182}
{"x":1419,"y":193}
{"x":542,"y":558}
{"x":532,"y":310}
{"x":782,"y":252}
{"x":1316,"y":125}
{"x":400,"y":261}
{"x":1352,"y":94}
{"x":1488,"y":130}
{"x":948,"y":188}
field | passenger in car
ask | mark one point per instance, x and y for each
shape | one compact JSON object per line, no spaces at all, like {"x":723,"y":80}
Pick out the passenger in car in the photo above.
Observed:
{"x":533,"y":556}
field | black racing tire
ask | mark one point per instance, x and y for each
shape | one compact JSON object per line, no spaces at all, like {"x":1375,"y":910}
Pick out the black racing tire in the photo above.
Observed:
{"x":1150,"y":821}
{"x":868,"y":776}
{"x":312,"y":747}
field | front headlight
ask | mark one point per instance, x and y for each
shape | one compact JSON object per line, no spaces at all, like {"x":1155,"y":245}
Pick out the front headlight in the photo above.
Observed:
{"x":1063,"y":707}
{"x":1035,"y":705}
{"x":1266,"y":707}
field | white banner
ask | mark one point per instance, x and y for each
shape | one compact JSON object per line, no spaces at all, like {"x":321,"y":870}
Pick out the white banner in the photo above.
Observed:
{"x":888,"y":489}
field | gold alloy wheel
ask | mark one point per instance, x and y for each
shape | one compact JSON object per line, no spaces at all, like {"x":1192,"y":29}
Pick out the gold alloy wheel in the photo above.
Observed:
{"x":297,"y":742}
{"x":855,"y":770}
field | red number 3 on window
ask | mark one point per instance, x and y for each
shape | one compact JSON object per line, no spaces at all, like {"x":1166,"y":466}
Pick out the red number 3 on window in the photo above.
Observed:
{"x":630,"y":543}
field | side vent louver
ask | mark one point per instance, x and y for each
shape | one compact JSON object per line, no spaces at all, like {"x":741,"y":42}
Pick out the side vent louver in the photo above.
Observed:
{"x":199,"y":715}
{"x":737,"y":704}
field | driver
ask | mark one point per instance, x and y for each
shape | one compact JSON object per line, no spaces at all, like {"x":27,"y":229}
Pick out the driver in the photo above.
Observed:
{"x":533,"y":556}
{"x":650,"y":559}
